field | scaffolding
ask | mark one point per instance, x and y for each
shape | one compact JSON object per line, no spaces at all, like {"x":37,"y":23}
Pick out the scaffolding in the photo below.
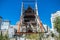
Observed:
{"x":30,"y":22}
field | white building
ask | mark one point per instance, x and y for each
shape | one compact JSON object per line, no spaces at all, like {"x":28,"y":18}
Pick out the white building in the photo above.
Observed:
{"x":53,"y":16}
{"x":11,"y":31}
{"x":5,"y":25}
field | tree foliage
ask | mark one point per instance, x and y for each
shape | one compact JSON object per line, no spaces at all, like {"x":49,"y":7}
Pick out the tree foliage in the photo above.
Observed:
{"x":4,"y":37}
{"x":37,"y":36}
{"x":32,"y":36}
{"x":57,"y":23}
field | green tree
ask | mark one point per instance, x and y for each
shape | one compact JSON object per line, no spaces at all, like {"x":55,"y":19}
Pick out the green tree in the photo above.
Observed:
{"x":35,"y":36}
{"x":4,"y":37}
{"x":32,"y":36}
{"x":57,"y":24}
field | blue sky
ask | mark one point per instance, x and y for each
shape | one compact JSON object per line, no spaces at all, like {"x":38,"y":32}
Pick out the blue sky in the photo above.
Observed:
{"x":11,"y":10}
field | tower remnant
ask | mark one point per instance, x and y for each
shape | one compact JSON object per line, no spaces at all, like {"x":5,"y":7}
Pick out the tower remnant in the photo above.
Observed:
{"x":29,"y":21}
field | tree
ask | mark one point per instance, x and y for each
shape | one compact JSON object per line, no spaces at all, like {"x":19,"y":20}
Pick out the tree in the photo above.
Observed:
{"x":32,"y":36}
{"x":4,"y":37}
{"x":35,"y":36}
{"x":57,"y":24}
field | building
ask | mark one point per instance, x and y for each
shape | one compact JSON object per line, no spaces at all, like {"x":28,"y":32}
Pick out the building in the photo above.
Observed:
{"x":29,"y":21}
{"x":5,"y":24}
{"x":4,"y":27}
{"x":0,"y":22}
{"x":11,"y":31}
{"x":53,"y":16}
